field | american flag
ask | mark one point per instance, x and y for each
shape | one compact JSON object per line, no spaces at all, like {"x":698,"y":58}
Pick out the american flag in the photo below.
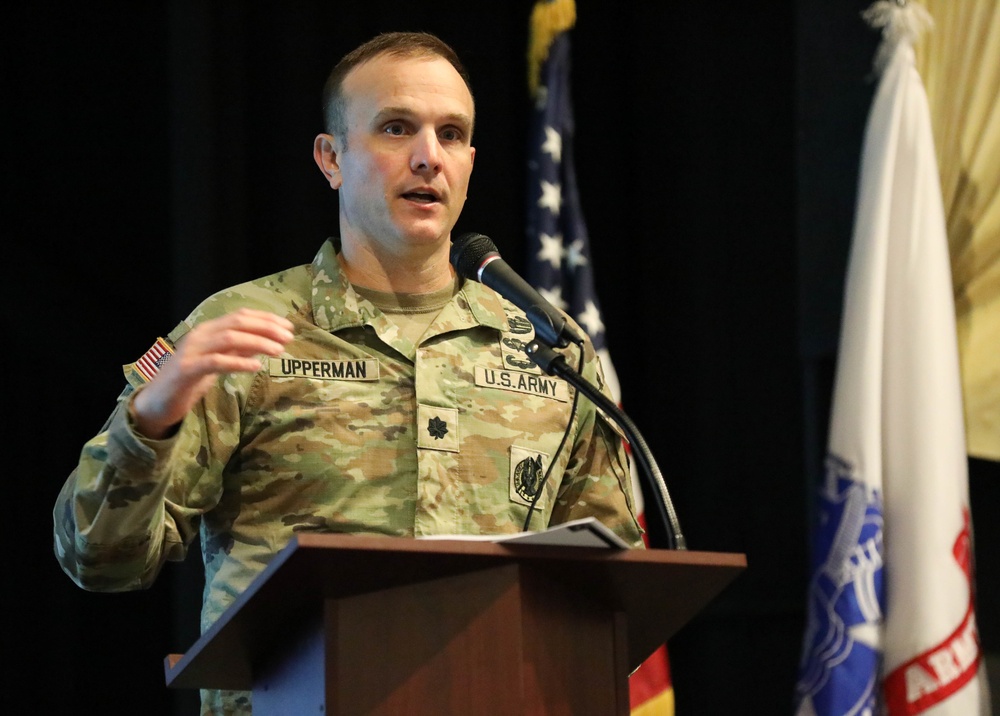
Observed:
{"x":559,"y":265}
{"x":153,"y":359}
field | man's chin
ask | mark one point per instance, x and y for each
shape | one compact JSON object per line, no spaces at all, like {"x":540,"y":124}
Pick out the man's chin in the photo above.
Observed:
{"x":426,"y":235}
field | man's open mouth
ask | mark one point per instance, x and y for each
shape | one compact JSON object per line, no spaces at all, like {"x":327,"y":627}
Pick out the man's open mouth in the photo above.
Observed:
{"x":421,"y":197}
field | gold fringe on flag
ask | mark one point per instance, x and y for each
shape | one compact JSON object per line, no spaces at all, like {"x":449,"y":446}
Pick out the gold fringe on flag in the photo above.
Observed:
{"x":548,"y":19}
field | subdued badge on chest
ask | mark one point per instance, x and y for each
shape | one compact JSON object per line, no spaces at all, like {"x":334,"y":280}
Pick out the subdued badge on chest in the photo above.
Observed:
{"x":513,"y":342}
{"x":527,"y":468}
{"x":358,"y":369}
{"x":519,"y":382}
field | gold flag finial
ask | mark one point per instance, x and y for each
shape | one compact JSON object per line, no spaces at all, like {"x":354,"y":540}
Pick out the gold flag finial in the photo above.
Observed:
{"x":548,"y":19}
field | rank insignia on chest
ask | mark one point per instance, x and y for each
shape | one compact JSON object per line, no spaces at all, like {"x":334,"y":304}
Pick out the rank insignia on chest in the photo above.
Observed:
{"x":437,"y":428}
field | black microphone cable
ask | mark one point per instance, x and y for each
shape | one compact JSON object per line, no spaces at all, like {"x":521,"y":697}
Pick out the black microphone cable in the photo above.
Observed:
{"x":555,"y":458}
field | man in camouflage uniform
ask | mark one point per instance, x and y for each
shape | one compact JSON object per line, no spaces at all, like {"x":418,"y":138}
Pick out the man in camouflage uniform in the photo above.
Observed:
{"x":371,"y":391}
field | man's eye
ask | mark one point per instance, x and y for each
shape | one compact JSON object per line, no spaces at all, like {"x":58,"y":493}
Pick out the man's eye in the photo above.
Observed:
{"x":451,"y":135}
{"x":394,"y":129}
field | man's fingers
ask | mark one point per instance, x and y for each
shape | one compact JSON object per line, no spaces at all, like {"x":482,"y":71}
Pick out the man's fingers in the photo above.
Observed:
{"x":261,"y":323}
{"x":237,"y":343}
{"x":243,"y":333}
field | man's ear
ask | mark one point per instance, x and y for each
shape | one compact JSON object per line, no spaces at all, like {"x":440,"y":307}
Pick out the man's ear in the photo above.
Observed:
{"x":325,"y":155}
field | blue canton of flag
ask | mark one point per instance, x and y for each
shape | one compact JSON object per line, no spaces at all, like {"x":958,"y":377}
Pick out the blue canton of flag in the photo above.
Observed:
{"x":559,"y":265}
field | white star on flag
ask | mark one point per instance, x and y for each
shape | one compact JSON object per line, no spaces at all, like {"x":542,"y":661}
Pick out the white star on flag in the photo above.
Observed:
{"x":551,"y":198}
{"x":591,"y":319}
{"x":552,"y":250}
{"x":553,"y":144}
{"x":576,"y":255}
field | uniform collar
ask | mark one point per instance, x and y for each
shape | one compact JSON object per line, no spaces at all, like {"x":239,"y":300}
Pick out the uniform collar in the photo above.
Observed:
{"x":337,"y":305}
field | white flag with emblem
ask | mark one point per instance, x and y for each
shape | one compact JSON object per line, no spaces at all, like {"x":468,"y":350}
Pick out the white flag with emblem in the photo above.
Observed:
{"x":892,"y":625}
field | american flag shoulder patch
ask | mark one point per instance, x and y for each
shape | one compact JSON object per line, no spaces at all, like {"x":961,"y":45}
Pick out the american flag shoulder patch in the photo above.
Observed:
{"x":149,"y":364}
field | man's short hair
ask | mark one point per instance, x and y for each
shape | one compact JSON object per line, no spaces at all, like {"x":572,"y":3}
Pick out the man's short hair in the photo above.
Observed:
{"x":401,"y":44}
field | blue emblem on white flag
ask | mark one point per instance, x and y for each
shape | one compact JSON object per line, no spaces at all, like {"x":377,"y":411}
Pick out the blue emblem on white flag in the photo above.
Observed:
{"x":841,"y":649}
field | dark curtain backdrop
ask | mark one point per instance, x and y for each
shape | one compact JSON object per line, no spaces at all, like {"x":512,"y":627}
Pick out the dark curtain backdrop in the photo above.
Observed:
{"x":156,"y":152}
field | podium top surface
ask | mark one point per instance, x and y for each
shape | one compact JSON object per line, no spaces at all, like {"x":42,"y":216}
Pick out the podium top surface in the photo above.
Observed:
{"x":658,"y":591}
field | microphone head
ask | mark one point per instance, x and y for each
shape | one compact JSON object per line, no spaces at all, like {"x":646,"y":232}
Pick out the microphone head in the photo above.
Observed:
{"x":468,"y":252}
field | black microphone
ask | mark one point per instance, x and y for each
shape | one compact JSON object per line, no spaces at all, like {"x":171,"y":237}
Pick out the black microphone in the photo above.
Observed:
{"x":476,"y":258}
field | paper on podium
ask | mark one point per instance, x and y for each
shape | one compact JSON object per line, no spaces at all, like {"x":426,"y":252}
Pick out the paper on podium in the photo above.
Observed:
{"x":585,"y":532}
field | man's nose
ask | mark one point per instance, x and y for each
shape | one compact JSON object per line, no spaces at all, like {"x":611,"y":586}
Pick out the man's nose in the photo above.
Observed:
{"x":426,"y":155}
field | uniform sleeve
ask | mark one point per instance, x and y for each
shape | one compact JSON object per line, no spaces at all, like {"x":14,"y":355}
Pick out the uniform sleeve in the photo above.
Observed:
{"x":132,"y":504}
{"x":112,"y":530}
{"x":598,"y":480}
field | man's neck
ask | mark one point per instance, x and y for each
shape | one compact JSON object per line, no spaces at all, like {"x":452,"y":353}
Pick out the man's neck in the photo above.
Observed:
{"x":421,"y":270}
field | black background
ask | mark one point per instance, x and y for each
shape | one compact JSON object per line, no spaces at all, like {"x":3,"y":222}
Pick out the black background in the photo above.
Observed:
{"x":156,"y":152}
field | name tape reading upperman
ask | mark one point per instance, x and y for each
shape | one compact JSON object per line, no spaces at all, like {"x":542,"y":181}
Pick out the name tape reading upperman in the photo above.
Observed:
{"x":361,"y":369}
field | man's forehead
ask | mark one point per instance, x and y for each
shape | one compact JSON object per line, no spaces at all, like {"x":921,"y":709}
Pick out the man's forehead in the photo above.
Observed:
{"x":389,"y":72}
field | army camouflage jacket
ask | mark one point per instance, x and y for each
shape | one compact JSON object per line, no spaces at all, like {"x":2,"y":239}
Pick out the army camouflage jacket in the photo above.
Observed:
{"x":352,"y":429}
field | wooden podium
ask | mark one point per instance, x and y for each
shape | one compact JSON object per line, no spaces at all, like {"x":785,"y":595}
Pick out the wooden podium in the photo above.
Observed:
{"x":345,"y":625}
